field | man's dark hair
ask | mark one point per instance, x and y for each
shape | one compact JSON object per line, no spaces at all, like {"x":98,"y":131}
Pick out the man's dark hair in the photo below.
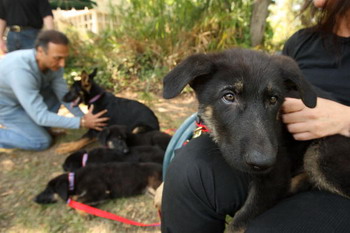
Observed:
{"x":52,"y":36}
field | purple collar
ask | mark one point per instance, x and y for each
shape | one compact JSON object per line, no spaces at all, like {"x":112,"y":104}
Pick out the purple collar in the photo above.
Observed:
{"x":95,"y":98}
{"x":84,"y":160}
{"x":71,"y":181}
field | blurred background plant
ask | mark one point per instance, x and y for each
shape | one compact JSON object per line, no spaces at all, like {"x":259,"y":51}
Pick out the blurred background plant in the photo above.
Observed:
{"x":152,"y":36}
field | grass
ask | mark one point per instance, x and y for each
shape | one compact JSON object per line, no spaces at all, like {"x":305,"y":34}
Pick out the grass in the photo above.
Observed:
{"x":24,"y":174}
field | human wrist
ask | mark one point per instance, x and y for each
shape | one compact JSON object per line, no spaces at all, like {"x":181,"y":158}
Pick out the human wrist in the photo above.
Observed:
{"x":348,"y":122}
{"x":82,"y":122}
{"x":344,"y":121}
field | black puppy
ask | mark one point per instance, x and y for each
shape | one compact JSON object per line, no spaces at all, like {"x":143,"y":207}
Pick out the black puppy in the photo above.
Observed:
{"x":93,"y":184}
{"x":135,"y":115}
{"x":120,"y":138}
{"x":83,"y":158}
{"x":240,"y":93}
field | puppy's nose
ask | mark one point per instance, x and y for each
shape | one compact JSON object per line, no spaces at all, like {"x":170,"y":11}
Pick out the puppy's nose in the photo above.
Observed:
{"x":259,"y":161}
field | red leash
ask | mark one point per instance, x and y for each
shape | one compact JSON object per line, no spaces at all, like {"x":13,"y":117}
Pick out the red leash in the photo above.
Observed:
{"x":105,"y":214}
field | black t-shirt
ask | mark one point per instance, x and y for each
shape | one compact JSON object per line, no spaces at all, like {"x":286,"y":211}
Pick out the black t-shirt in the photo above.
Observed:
{"x":29,"y":13}
{"x":323,"y":64}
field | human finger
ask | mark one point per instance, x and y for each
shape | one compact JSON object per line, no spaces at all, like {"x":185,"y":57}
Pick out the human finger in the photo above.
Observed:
{"x":91,"y":108}
{"x":298,"y":128}
{"x":304,"y":136}
{"x":99,"y":128}
{"x":101,"y":119}
{"x":101,"y":113}
{"x":294,"y":117}
{"x":292,"y":105}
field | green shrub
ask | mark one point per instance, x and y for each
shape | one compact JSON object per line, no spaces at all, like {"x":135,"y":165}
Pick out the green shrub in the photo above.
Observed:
{"x":153,"y":36}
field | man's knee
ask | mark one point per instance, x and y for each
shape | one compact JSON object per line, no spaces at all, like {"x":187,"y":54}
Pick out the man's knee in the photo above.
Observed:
{"x":39,"y":144}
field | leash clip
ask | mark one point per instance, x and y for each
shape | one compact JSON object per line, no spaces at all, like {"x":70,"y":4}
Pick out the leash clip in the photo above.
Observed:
{"x":197,"y":132}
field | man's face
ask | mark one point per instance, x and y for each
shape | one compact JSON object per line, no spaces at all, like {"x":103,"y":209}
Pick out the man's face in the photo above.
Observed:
{"x":54,"y":58}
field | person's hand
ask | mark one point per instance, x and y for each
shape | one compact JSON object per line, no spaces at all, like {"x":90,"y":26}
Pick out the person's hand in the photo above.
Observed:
{"x":3,"y":48}
{"x":94,"y":121}
{"x":327,"y":118}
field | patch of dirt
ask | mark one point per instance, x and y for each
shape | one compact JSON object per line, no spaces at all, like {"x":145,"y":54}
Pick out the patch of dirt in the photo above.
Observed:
{"x":24,"y":174}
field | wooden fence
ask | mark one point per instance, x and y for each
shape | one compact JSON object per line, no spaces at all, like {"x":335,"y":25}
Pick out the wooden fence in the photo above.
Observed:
{"x":84,"y":20}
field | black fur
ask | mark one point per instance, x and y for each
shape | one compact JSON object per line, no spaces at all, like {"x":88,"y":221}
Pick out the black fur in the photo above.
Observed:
{"x":131,"y":113}
{"x":240,"y":93}
{"x":105,"y":155}
{"x":120,"y":138}
{"x":94,"y":184}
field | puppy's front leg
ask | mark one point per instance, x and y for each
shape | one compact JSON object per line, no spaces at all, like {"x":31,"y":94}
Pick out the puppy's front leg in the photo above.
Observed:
{"x":248,"y":210}
{"x":264,"y":192}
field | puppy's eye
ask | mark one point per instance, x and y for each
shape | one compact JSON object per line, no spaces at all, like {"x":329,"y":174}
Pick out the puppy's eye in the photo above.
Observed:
{"x":273,"y":99}
{"x":229,"y":98}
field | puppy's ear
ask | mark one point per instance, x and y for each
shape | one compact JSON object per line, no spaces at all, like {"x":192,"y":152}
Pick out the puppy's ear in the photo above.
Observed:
{"x":85,"y":80}
{"x":189,"y":69}
{"x":93,"y":74}
{"x":103,"y":136}
{"x":294,"y":80}
{"x":61,"y":186}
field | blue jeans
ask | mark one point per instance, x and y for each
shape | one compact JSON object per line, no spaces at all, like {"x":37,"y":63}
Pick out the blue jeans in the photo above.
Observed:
{"x":21,"y":40}
{"x":22,"y":132}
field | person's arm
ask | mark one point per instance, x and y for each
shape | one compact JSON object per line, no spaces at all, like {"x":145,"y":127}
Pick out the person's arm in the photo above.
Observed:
{"x":48,"y":22}
{"x":46,"y":14}
{"x":3,"y":25}
{"x":3,"y":48}
{"x":26,"y":88}
{"x":327,"y":118}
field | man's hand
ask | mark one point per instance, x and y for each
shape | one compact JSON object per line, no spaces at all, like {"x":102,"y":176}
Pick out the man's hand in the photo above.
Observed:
{"x":94,"y":121}
{"x":327,"y":118}
{"x":3,"y":48}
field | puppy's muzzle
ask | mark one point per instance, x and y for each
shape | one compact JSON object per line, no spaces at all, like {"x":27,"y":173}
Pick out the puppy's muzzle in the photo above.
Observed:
{"x":259,"y":162}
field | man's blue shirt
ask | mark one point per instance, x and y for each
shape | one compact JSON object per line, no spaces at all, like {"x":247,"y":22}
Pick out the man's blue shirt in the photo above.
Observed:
{"x":24,"y":86}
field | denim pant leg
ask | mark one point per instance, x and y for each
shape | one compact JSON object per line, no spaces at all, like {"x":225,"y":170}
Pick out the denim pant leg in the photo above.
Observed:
{"x":21,"y":40}
{"x":22,"y":132}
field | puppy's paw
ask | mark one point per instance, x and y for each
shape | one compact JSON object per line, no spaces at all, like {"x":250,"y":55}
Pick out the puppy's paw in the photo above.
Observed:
{"x":232,"y":228}
{"x":299,"y":183}
{"x":158,"y":197}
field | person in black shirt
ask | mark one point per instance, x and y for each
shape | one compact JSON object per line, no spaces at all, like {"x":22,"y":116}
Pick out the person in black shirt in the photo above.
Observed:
{"x":24,"y":19}
{"x":200,"y":189}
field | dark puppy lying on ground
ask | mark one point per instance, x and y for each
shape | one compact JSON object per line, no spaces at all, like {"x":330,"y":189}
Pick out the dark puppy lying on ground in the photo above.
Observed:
{"x":120,"y":138}
{"x":135,"y":115}
{"x":82,"y":158}
{"x":240,"y":93}
{"x":93,"y":184}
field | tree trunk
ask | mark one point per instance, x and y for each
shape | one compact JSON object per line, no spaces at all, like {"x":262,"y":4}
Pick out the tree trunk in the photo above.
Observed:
{"x":258,"y":21}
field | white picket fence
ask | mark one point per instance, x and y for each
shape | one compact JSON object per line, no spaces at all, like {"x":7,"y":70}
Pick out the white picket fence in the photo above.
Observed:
{"x":83,"y":20}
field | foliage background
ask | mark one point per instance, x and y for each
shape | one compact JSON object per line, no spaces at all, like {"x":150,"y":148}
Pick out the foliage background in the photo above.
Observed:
{"x":152,"y":36}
